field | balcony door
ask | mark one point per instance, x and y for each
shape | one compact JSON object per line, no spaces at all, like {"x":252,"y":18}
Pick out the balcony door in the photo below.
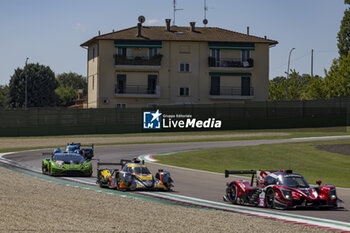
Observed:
{"x":121,"y":51}
{"x":215,"y":53}
{"x":245,"y":86}
{"x":121,"y":84}
{"x":215,"y":85}
{"x":152,"y":84}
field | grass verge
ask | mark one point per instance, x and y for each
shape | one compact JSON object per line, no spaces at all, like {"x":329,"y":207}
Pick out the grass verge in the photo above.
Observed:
{"x":302,"y":157}
{"x":297,"y":132}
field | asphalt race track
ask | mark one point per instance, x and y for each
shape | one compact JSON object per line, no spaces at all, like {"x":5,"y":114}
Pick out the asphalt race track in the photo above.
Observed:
{"x":198,"y":184}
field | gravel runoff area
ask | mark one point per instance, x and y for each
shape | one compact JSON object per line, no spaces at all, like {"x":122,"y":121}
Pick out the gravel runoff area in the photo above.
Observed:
{"x":336,"y":148}
{"x":29,"y":204}
{"x":53,"y":141}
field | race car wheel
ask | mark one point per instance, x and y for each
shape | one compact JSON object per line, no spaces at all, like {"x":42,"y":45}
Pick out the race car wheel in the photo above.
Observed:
{"x":43,"y":168}
{"x":231,"y":193}
{"x":270,"y":198}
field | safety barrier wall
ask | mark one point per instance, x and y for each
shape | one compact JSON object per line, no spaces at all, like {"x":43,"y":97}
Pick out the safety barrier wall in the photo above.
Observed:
{"x":249,"y":115}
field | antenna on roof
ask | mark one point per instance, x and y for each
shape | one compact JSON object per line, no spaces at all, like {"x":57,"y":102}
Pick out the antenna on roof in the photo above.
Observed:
{"x":175,"y":9}
{"x":205,"y":20}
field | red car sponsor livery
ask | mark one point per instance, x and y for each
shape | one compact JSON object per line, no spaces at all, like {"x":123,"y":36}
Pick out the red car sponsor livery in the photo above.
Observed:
{"x":279,"y":189}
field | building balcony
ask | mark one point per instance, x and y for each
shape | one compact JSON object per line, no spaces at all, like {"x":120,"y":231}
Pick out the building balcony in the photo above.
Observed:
{"x":137,"y":91}
{"x":231,"y":93}
{"x":230,"y":63}
{"x":133,"y":61}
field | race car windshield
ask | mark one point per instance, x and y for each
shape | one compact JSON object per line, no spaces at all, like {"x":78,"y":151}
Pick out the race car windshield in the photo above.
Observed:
{"x":293,"y":182}
{"x":140,"y":170}
{"x":69,"y":158}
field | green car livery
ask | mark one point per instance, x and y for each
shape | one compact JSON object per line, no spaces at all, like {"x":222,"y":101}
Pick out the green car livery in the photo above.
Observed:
{"x":67,"y":164}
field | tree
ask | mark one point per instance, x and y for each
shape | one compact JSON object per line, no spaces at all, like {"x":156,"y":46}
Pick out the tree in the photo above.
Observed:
{"x":297,"y":86}
{"x":4,"y":96}
{"x":41,"y":85}
{"x":344,"y":34}
{"x":277,"y":88}
{"x":337,"y":80}
{"x":314,"y":88}
{"x":68,"y":85}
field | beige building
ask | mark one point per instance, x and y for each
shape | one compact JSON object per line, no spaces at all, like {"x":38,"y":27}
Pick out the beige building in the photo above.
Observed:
{"x":153,"y":65}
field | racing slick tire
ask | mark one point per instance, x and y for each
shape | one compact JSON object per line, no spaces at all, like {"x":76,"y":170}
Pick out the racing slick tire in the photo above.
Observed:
{"x":231,"y":193}
{"x":44,"y":168}
{"x":270,"y":198}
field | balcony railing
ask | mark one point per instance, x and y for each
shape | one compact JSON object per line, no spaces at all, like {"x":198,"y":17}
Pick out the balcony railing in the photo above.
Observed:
{"x":138,"y":60}
{"x":232,"y":91}
{"x":137,"y":90}
{"x":230,"y":62}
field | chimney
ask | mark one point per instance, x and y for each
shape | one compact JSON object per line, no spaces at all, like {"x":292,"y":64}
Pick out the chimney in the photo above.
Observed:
{"x":139,"y":27}
{"x":248,"y":30}
{"x":265,"y":37}
{"x":193,"y":26}
{"x":167,"y":22}
{"x":99,"y":33}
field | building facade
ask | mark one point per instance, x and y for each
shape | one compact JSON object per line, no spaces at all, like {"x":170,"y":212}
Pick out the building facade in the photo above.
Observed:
{"x":152,"y":65}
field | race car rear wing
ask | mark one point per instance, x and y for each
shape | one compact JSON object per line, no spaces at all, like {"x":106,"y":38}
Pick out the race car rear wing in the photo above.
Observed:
{"x":122,"y":163}
{"x":252,"y":172}
{"x":87,"y":146}
{"x":260,"y":174}
{"x":82,"y":145}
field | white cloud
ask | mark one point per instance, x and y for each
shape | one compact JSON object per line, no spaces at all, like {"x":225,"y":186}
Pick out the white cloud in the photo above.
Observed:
{"x":80,"y":27}
{"x":152,"y":21}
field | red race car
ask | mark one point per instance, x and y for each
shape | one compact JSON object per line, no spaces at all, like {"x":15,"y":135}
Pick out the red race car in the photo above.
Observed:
{"x":279,"y":189}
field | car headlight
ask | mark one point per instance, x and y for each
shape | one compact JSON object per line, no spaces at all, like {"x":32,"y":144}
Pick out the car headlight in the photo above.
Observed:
{"x":287,"y":194}
{"x":59,"y":165}
{"x":332,"y":194}
{"x":86,"y":166}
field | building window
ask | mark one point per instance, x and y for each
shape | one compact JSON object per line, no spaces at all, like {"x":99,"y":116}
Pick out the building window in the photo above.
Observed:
{"x":121,"y":84}
{"x":215,"y":53}
{"x":152,"y":84}
{"x":184,"y":67}
{"x":120,"y":105}
{"x":245,"y":86}
{"x":121,"y":51}
{"x":152,"y":52}
{"x":92,"y":52}
{"x":245,"y":55}
{"x":184,"y":91}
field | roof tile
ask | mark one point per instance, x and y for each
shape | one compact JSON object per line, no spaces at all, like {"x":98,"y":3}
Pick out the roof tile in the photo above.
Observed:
{"x":176,"y":33}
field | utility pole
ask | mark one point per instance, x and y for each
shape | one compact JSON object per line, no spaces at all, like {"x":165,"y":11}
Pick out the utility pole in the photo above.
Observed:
{"x":312,"y":62}
{"x":290,"y":53}
{"x":25,"y":91}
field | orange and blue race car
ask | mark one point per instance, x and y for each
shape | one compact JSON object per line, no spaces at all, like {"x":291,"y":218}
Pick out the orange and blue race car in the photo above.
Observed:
{"x":134,"y":175}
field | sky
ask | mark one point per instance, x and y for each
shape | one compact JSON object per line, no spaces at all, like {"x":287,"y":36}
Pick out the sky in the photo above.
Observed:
{"x":50,"y":32}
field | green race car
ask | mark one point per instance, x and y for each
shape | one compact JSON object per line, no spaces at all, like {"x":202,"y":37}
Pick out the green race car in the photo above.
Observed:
{"x":66,"y":164}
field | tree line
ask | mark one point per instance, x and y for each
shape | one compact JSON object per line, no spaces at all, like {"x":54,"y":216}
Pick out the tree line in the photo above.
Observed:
{"x":335,"y":83}
{"x":44,"y":88}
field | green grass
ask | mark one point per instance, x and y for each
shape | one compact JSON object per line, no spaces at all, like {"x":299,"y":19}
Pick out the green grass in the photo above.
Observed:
{"x":298,"y":132}
{"x":292,"y":133}
{"x":302,"y":157}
